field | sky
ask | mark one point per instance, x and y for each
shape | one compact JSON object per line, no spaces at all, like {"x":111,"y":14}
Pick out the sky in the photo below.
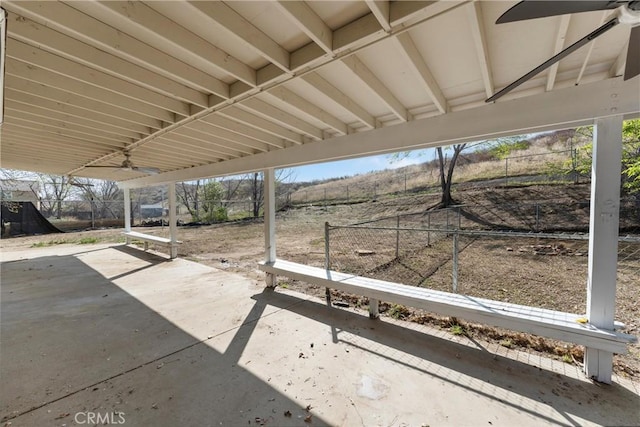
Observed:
{"x":361,"y":165}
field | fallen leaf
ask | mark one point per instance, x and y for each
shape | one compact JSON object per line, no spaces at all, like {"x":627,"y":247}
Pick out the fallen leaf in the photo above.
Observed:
{"x":307,"y":419}
{"x":287,"y":413}
{"x":582,"y":320}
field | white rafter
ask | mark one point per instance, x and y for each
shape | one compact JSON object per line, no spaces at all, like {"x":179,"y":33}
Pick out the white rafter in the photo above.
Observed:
{"x":33,"y":33}
{"x":337,"y":96}
{"x":422,"y":71}
{"x":474,"y":14}
{"x":587,"y":57}
{"x":314,"y":112}
{"x":79,"y":72}
{"x":255,"y":39}
{"x":20,"y":84}
{"x":367,"y":76}
{"x":71,"y":21}
{"x":62,"y":82}
{"x":257,"y":122}
{"x":617,"y":69}
{"x":381,"y":10}
{"x":563,"y":27}
{"x":28,"y":98}
{"x":240,"y":129}
{"x":270,"y":112}
{"x":309,"y":22}
{"x":150,"y":27}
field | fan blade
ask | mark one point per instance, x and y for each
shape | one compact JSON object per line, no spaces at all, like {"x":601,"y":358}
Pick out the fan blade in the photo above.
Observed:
{"x":577,"y":45}
{"x":632,"y":68}
{"x":540,"y":9}
{"x":148,"y":171}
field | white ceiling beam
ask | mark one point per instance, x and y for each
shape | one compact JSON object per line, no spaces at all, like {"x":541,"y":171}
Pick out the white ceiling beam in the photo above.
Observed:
{"x":232,"y":137}
{"x":260,"y":123}
{"x":206,"y":139}
{"x":381,"y":10}
{"x":368,"y":78}
{"x":617,"y":68}
{"x":314,"y":112}
{"x":269,"y":112}
{"x":476,"y":24}
{"x":64,"y":83}
{"x":309,"y":22}
{"x":71,"y":110}
{"x":43,"y":140}
{"x":40,"y":91}
{"x":559,"y":109}
{"x":563,"y":27}
{"x":34,"y":56}
{"x":196,"y":140}
{"x":35,"y":34}
{"x":587,"y":57}
{"x":241,"y":129}
{"x":171,"y":148}
{"x":151,"y":27}
{"x":30,"y":121}
{"x":422,"y":71}
{"x":36,"y":110}
{"x":409,"y":12}
{"x":70,"y":21}
{"x":337,"y":96}
{"x":255,"y":39}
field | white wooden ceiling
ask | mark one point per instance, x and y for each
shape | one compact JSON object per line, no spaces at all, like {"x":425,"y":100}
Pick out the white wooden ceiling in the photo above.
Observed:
{"x":205,"y":88}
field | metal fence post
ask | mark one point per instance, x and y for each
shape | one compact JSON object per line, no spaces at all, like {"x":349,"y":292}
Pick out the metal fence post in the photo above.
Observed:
{"x":325,"y":199}
{"x":506,"y":171}
{"x":454,"y":274}
{"x":327,"y":262}
{"x":347,"y":194}
{"x":397,"y":236}
{"x":537,"y":217}
{"x":429,"y":228}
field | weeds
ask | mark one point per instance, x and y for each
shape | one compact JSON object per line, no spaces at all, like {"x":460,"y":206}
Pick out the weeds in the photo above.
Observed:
{"x":88,"y":240}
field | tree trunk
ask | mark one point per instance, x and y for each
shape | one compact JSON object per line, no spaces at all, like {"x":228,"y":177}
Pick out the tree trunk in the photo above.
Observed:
{"x":446,"y":180}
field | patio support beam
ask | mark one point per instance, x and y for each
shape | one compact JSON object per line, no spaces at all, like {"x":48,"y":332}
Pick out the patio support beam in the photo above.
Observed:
{"x":127,"y":212}
{"x":603,"y":239}
{"x":560,"y":109}
{"x":269,"y":181}
{"x":173,"y":223}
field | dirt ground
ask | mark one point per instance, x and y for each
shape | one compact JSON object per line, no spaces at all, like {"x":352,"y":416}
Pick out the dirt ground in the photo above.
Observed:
{"x":511,"y":271}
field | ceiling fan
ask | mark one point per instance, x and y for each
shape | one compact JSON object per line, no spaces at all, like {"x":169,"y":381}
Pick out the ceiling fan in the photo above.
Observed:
{"x":128,"y":166}
{"x":626,"y":12}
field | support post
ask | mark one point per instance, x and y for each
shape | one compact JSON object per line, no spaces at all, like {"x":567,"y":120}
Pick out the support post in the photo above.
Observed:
{"x":374,"y":312}
{"x":603,"y":239}
{"x":269,"y":179}
{"x":327,"y":260}
{"x":127,"y":212}
{"x":173,"y":220}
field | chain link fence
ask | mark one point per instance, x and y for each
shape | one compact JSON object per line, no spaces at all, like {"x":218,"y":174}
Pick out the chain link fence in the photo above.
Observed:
{"x":547,"y":167}
{"x":547,"y":270}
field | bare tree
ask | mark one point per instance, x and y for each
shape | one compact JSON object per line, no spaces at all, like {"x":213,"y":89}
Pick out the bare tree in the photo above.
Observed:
{"x":55,"y":189}
{"x":189,"y":195}
{"x":446,"y":178}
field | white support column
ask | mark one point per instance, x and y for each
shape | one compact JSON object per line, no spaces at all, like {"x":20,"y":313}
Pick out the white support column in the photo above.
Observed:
{"x":127,"y":212}
{"x":603,"y":239}
{"x":173,"y":224}
{"x":269,"y":179}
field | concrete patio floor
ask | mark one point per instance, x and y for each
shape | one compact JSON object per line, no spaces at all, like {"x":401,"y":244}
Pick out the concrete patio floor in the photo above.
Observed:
{"x":87,"y":330}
